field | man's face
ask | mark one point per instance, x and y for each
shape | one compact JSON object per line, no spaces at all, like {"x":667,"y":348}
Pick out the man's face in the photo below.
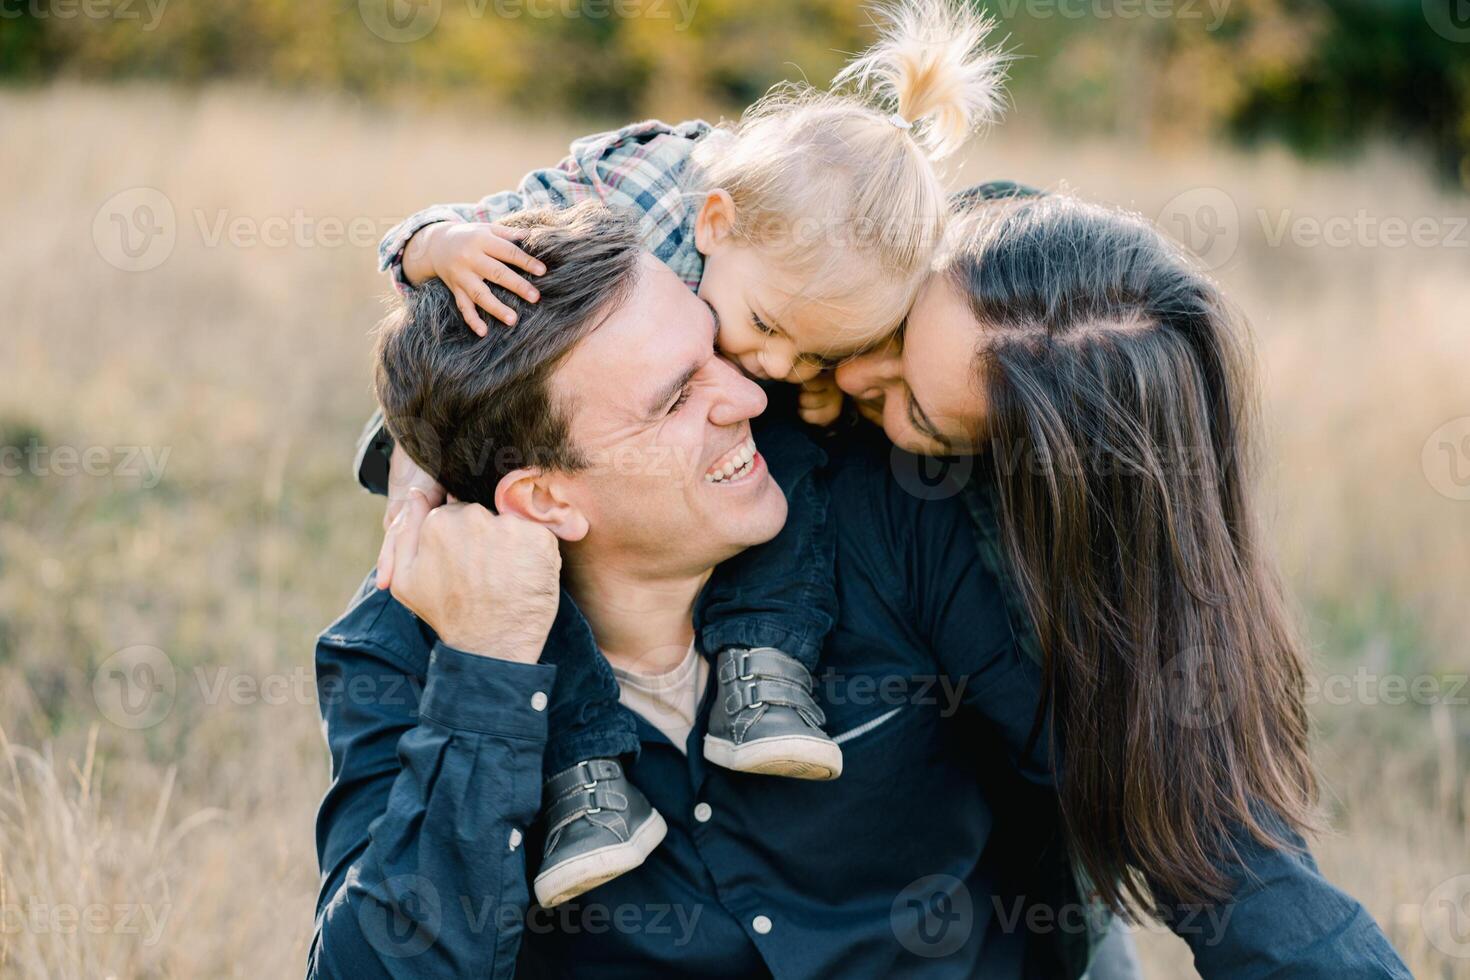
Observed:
{"x":665,"y":423}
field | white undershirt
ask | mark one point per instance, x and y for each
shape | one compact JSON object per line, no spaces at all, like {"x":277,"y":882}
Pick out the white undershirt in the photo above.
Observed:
{"x":670,"y":700}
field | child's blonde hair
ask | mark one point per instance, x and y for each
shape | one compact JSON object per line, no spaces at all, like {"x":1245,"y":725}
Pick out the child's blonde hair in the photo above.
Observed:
{"x":840,"y":186}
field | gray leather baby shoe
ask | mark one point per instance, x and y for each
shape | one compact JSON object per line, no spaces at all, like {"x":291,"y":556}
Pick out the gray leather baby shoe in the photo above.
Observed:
{"x":599,"y":826}
{"x":764,"y":719}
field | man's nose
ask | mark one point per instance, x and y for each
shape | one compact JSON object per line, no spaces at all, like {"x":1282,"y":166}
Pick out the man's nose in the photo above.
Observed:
{"x":737,"y":398}
{"x":859,"y":376}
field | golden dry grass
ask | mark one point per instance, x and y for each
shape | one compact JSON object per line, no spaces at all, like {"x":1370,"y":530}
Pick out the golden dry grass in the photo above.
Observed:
{"x":185,"y":849}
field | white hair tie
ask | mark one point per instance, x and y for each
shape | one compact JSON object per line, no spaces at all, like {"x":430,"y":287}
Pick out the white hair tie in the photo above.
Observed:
{"x":900,"y":121}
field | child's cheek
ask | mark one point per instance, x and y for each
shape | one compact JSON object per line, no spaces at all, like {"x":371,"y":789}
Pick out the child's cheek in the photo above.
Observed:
{"x":735,"y":339}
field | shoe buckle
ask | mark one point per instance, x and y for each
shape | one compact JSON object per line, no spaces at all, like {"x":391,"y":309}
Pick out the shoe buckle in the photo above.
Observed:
{"x":751,"y":701}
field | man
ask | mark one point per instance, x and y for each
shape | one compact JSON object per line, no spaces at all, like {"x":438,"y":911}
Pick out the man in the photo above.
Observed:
{"x":437,"y":724}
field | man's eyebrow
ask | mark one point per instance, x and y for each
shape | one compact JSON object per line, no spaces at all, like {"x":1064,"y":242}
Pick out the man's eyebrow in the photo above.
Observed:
{"x":666,"y":394}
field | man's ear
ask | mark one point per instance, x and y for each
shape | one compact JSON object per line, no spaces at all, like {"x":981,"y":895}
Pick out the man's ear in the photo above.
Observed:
{"x":532,"y":494}
{"x":715,"y":222}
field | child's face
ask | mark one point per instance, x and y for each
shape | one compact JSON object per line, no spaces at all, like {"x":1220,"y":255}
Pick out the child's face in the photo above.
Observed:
{"x":761,"y":329}
{"x":765,"y":326}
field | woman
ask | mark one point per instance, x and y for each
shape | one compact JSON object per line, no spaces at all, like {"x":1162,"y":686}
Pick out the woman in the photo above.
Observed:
{"x":1106,"y":387}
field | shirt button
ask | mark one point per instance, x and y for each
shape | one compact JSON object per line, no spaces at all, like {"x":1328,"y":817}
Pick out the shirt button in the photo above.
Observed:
{"x":515,"y":838}
{"x":702,"y":812}
{"x":761,"y":924}
{"x":538,"y":700}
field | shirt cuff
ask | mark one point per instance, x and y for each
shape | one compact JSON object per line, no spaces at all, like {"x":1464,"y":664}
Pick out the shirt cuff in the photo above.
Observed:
{"x":486,"y":694}
{"x":390,"y":250}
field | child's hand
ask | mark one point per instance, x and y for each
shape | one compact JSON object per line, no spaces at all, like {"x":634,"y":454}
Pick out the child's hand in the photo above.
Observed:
{"x":404,"y":478}
{"x":464,"y":256}
{"x":820,"y":401}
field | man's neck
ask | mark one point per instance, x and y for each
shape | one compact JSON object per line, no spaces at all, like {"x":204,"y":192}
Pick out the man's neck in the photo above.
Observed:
{"x":641,"y":623}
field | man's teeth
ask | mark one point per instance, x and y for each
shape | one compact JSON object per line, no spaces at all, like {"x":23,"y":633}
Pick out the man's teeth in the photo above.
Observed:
{"x":735,"y":465}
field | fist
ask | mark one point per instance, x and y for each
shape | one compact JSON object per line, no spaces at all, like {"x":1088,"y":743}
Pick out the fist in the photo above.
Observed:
{"x":488,"y":584}
{"x":405,"y":475}
{"x":406,"y":479}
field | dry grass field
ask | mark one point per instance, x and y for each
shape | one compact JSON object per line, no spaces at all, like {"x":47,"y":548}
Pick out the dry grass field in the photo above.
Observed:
{"x":175,"y":504}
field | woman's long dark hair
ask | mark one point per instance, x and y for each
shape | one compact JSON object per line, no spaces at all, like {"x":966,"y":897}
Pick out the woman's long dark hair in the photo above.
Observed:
{"x":1119,"y":392}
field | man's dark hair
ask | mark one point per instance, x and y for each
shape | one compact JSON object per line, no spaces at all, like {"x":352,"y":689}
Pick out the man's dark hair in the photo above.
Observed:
{"x":470,"y":409}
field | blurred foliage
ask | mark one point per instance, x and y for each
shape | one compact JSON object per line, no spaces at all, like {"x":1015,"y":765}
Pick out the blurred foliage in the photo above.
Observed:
{"x":1323,"y":75}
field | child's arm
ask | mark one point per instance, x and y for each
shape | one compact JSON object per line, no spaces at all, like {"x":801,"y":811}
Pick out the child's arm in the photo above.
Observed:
{"x":465,"y":257}
{"x":638,"y":167}
{"x":403,"y":252}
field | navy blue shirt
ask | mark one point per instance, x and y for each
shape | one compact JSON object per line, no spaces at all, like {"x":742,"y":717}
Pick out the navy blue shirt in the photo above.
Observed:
{"x":427,"y":843}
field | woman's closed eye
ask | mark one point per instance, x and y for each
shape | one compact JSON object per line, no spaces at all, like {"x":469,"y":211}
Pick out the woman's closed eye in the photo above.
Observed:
{"x":919,"y":419}
{"x":820,"y":362}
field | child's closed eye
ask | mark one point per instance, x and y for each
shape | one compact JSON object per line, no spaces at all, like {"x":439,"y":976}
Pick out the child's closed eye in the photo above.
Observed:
{"x":820,"y":362}
{"x":761,"y":326}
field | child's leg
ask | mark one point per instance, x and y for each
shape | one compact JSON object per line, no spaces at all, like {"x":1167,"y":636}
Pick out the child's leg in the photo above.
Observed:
{"x":598,"y":824}
{"x":764,"y":618}
{"x":780,"y":594}
{"x":585,"y":721}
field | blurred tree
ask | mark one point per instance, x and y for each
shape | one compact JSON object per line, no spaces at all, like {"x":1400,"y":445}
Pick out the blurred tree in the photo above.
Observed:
{"x":1377,"y":67}
{"x":24,"y":48}
{"x":1322,"y":74}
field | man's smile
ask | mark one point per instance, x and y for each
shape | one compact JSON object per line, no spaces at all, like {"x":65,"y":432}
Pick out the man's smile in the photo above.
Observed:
{"x":736,"y":464}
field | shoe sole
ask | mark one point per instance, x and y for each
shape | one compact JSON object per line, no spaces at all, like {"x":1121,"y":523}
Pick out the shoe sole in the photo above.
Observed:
{"x":583,"y":873}
{"x":795,"y":756}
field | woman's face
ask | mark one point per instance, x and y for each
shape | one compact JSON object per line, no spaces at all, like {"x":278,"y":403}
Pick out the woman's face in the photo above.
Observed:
{"x":923,"y":389}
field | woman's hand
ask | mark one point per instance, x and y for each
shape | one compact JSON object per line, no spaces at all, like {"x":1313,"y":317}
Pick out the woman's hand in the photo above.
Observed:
{"x":820,"y":401}
{"x":404,"y":478}
{"x":464,"y":256}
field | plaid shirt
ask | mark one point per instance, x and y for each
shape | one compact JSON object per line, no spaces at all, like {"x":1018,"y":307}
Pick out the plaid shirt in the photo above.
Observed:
{"x":643,"y":168}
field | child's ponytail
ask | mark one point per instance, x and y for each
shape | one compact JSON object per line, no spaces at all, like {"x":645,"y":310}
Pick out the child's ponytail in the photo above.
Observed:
{"x":932,"y":68}
{"x":838,"y":188}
